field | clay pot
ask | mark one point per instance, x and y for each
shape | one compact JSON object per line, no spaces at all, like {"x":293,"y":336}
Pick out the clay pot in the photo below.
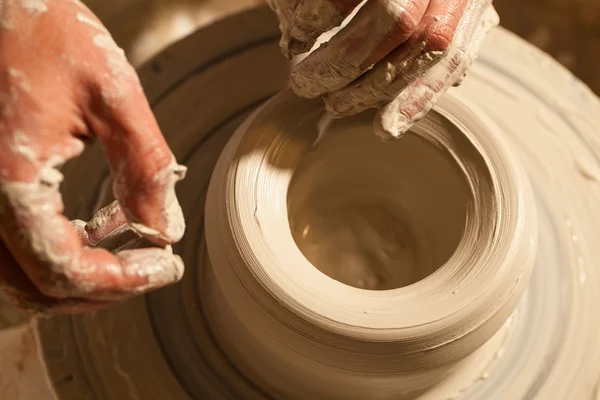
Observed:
{"x":346,"y":267}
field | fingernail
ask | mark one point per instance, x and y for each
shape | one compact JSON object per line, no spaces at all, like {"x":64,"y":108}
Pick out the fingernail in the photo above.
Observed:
{"x":160,"y":266}
{"x":150,"y":233}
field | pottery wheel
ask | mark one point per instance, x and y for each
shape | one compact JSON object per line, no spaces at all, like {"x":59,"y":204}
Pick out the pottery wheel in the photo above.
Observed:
{"x":160,"y":346}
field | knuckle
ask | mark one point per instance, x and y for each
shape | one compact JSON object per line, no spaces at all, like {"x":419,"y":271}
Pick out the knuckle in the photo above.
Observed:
{"x":438,"y":37}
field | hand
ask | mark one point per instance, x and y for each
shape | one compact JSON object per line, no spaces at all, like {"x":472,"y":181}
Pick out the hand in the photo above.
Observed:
{"x":396,"y":55}
{"x":63,"y":81}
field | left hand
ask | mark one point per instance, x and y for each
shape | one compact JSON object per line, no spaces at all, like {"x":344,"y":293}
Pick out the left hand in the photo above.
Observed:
{"x":64,"y":82}
{"x":396,"y":55}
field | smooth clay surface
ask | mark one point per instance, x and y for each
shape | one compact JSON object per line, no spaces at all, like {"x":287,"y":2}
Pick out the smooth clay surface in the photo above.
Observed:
{"x":454,"y":334}
{"x":366,"y":213}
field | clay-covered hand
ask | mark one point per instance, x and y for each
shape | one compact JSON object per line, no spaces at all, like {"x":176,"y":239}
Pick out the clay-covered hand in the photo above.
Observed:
{"x":396,"y":55}
{"x":64,"y":81}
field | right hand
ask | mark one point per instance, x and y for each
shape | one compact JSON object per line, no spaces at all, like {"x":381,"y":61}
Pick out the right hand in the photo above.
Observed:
{"x":399,"y":56}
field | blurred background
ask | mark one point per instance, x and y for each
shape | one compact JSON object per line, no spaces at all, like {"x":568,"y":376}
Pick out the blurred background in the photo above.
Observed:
{"x":569,"y":30}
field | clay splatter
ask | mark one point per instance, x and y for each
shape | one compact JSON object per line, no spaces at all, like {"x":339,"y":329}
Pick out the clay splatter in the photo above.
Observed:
{"x":34,"y":6}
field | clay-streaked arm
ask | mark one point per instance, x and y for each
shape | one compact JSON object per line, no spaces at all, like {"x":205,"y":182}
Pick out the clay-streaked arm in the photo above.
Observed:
{"x":64,"y":81}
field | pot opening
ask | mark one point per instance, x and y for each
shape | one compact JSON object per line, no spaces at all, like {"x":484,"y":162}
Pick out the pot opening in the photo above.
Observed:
{"x":376,"y":215}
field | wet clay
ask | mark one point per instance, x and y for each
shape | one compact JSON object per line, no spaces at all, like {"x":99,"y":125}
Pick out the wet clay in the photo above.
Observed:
{"x":365,"y":212}
{"x":507,"y":311}
{"x":444,"y":259}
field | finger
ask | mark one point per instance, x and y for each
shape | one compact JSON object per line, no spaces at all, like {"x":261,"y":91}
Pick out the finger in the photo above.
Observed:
{"x":49,"y":251}
{"x":312,"y":18}
{"x":301,"y":22}
{"x":144,"y":169}
{"x":36,"y":140}
{"x":419,"y":97}
{"x":24,"y":295}
{"x":284,"y":9}
{"x":490,"y":20}
{"x":410,"y":60}
{"x":378,"y":28}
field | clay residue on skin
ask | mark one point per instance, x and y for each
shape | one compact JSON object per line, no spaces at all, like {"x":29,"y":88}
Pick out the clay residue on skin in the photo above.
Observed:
{"x":69,"y":273}
{"x":346,"y":56}
{"x":34,"y":6}
{"x":313,"y":17}
{"x":21,"y":80}
{"x":382,"y":83}
{"x":284,"y":16}
{"x":17,"y":86}
{"x":171,"y":211}
{"x":22,"y":145}
{"x":116,"y":55}
{"x":415,"y":101}
{"x":29,"y":201}
{"x":407,"y":87}
{"x":164,"y":268}
{"x":120,"y":75}
{"x":85,"y":19}
{"x":8,"y":101}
